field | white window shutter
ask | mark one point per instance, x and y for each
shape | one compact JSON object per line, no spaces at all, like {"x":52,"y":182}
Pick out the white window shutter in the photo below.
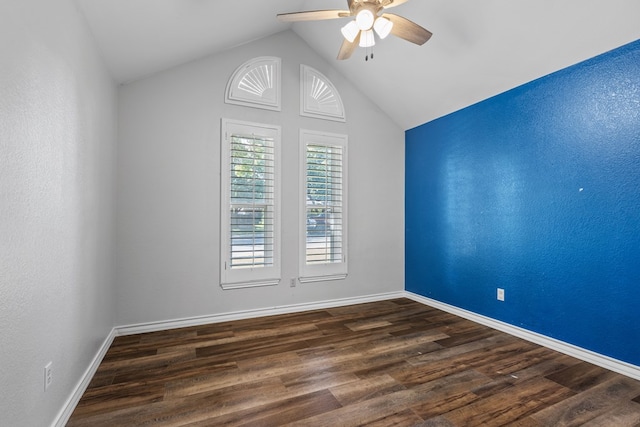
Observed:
{"x":250,"y":252}
{"x":324,"y":212}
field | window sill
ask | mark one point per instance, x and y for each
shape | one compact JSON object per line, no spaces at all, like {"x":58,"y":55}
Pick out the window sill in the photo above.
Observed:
{"x":254,"y":284}
{"x":312,"y":279}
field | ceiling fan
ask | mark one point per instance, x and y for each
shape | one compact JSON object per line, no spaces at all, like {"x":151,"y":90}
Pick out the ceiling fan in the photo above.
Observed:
{"x":367,"y":20}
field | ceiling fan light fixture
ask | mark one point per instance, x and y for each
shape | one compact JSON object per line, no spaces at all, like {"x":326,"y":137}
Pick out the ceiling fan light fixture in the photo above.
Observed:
{"x":350,"y":31}
{"x":364,"y":19}
{"x":383,"y":27}
{"x":368,"y":22}
{"x":367,"y":39}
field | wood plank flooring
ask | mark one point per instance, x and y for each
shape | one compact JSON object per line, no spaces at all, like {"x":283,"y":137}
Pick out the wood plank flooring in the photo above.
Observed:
{"x":389,"y":363}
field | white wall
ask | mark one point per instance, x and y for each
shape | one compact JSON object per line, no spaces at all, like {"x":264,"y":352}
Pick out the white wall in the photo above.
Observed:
{"x":167,"y":244}
{"x":57,"y":133}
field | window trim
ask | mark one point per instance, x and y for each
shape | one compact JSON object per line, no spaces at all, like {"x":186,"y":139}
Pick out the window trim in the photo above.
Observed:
{"x":247,"y":277}
{"x":328,"y":271}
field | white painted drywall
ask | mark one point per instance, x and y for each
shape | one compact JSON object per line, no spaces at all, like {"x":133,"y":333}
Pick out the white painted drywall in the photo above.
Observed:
{"x":168,"y":189}
{"x":57,"y":147}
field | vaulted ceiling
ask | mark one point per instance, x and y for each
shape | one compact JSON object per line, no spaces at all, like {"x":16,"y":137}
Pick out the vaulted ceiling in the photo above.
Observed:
{"x":480,"y":47}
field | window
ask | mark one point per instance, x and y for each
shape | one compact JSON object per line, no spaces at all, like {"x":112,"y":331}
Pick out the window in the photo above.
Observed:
{"x":318,"y":97}
{"x":323,"y":214}
{"x":256,"y":83}
{"x":250,"y":229}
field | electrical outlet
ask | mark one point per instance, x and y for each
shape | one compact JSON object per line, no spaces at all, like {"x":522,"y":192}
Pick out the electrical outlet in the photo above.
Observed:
{"x":292,"y":283}
{"x":500,"y":294}
{"x":48,"y":375}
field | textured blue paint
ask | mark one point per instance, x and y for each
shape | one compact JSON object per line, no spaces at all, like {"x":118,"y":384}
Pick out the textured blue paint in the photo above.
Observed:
{"x":536,"y":191}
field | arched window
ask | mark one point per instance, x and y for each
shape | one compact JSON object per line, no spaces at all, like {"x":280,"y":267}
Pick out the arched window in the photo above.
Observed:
{"x":256,"y":83}
{"x":318,"y":96}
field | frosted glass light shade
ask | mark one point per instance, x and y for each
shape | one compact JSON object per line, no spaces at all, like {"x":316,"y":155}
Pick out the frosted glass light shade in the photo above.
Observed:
{"x":350,"y":31}
{"x":383,"y":27}
{"x":365,"y":19}
{"x":367,"y":39}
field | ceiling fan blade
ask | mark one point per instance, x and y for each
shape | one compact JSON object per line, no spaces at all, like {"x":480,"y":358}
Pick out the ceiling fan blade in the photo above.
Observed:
{"x":392,"y":3}
{"x":313,"y":15}
{"x":408,"y":30}
{"x":347,"y":48}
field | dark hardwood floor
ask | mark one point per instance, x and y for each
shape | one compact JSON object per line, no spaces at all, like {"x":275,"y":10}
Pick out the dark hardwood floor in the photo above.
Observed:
{"x":389,"y":363}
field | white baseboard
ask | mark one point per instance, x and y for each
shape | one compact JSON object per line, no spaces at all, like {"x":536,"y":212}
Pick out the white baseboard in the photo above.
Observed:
{"x":71,"y":403}
{"x":249,"y":314}
{"x":606,"y":362}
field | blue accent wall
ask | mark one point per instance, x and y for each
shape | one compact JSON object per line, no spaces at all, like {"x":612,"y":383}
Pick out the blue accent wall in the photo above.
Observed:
{"x":537,"y":191}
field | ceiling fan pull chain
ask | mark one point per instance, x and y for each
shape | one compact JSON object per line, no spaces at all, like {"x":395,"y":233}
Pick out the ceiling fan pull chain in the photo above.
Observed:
{"x":368,"y":54}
